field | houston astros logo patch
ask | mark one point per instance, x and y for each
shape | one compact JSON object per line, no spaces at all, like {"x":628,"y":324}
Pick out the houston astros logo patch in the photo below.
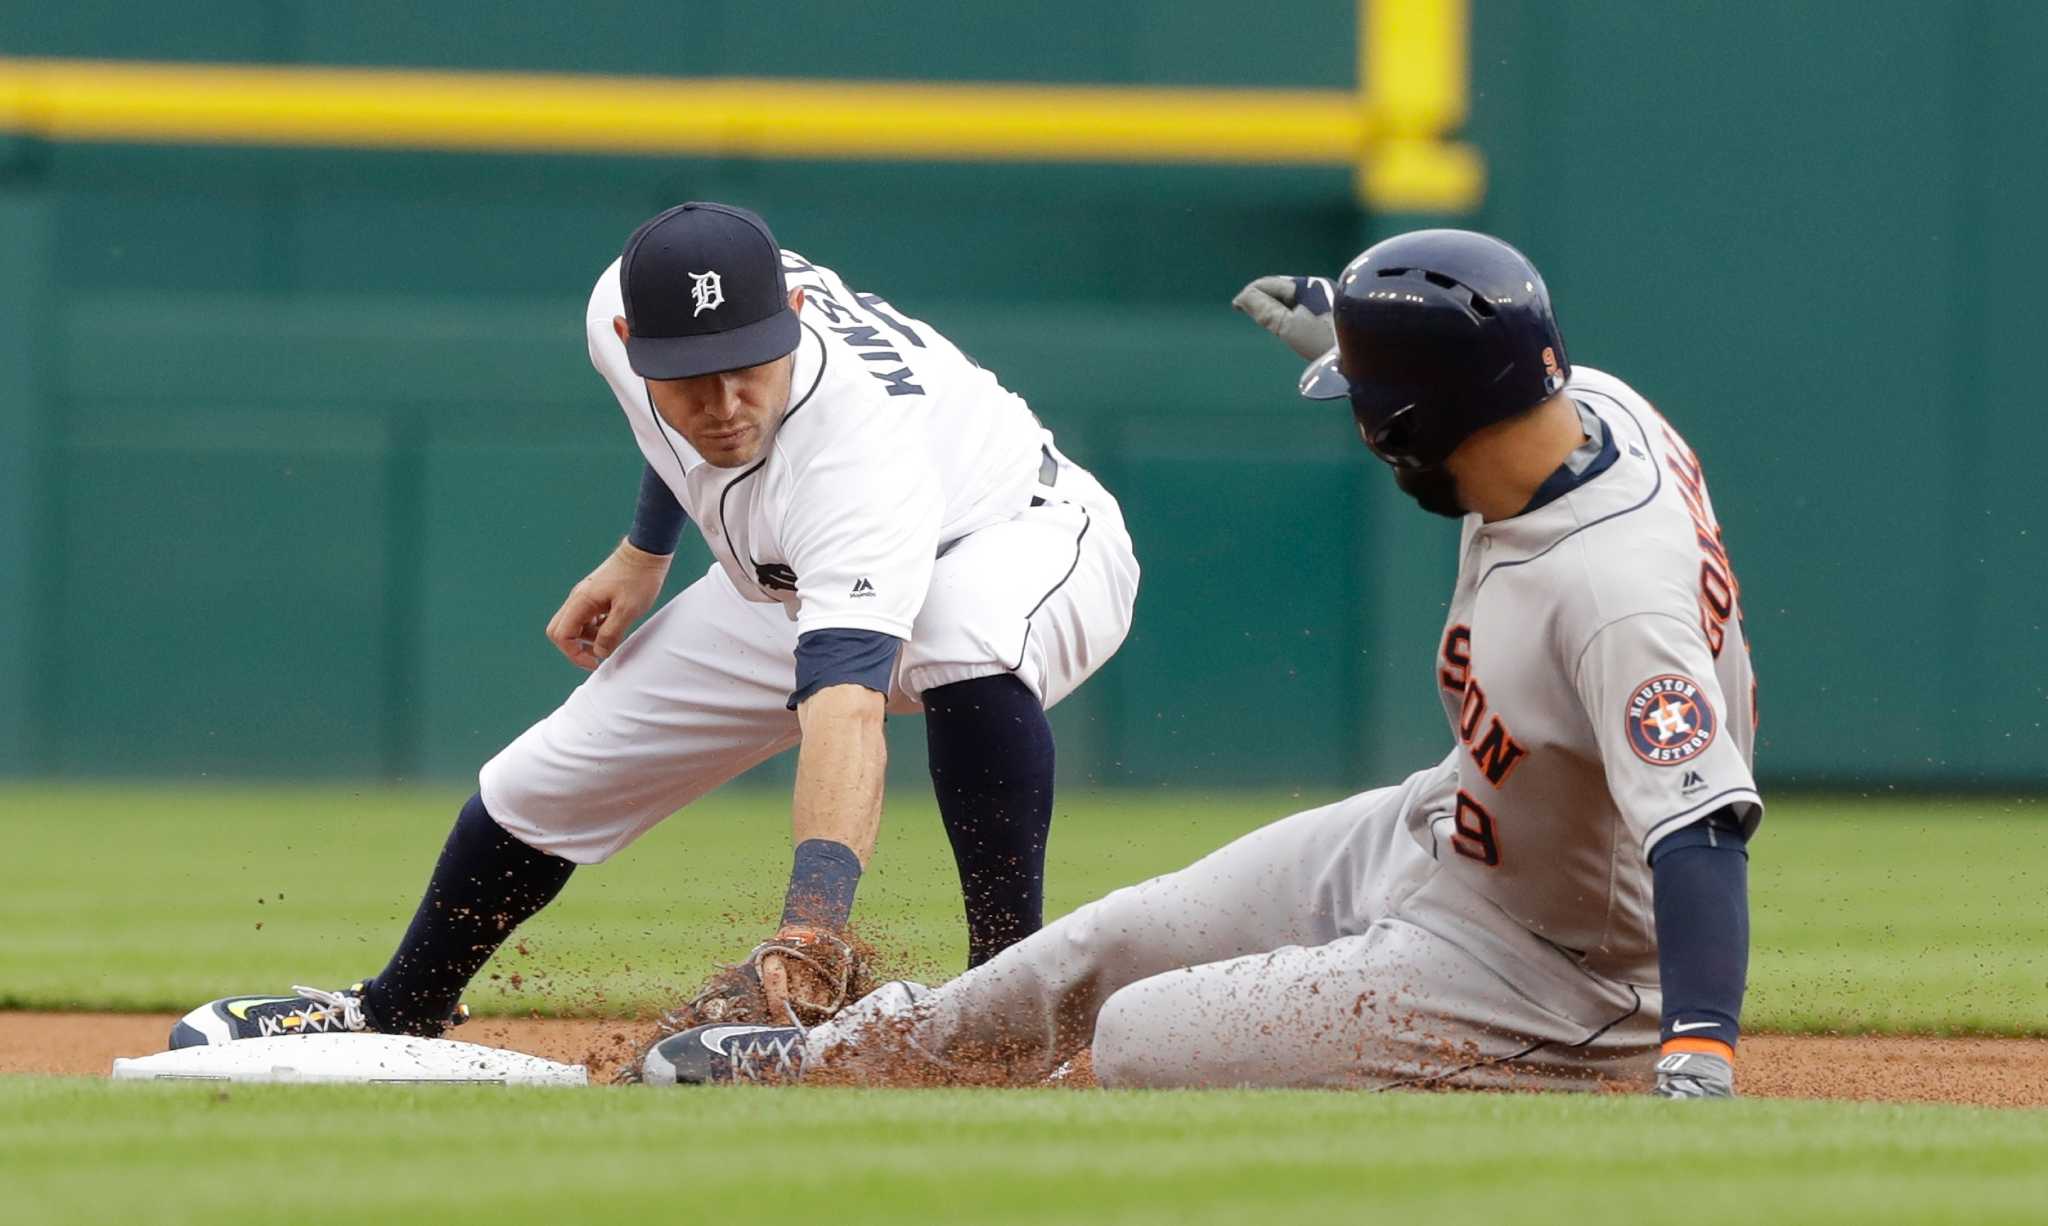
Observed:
{"x":1670,"y":720}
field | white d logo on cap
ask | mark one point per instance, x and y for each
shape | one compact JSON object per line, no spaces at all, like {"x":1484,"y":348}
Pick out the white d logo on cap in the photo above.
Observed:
{"x":706,"y":291}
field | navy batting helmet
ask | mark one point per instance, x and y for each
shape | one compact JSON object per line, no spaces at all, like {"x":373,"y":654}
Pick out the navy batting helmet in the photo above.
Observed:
{"x":1439,"y":333}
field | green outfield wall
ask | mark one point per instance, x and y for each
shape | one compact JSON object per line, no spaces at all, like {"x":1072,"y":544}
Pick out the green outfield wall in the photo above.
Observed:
{"x":300,"y":448}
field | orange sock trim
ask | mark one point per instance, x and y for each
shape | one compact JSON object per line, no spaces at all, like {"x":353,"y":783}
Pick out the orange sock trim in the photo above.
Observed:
{"x":1710,"y":1047}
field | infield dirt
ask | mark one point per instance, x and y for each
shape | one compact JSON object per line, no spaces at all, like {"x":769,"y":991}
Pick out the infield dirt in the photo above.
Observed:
{"x":1966,"y":1071}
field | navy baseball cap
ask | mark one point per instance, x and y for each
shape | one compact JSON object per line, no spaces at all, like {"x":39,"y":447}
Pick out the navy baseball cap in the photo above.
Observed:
{"x":704,"y":293}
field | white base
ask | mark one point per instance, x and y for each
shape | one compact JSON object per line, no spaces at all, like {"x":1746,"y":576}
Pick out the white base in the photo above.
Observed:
{"x":351,"y":1058}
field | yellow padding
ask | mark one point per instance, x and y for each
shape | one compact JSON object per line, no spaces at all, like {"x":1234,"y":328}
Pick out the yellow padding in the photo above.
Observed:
{"x":1422,"y":176}
{"x":92,"y":100}
{"x":1413,"y":63}
{"x":1413,"y":57}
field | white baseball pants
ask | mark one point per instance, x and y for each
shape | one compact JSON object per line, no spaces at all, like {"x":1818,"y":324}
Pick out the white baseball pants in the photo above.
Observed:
{"x":698,"y":693}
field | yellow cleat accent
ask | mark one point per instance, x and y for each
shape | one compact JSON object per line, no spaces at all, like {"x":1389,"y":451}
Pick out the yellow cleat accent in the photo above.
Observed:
{"x":240,"y":1008}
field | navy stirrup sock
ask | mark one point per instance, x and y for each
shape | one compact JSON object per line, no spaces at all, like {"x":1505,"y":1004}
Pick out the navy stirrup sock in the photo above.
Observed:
{"x":485,"y":884}
{"x":991,"y":755}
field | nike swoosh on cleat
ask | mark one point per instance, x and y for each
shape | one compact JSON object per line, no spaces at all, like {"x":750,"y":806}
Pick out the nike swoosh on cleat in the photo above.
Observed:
{"x":1681,"y":1027}
{"x":239,"y":1008}
{"x":715,"y":1037}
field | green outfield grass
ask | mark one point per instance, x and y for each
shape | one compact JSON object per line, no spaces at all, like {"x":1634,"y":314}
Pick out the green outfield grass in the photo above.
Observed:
{"x":97,"y":1151}
{"x":1870,"y":915}
{"x":1922,"y":916}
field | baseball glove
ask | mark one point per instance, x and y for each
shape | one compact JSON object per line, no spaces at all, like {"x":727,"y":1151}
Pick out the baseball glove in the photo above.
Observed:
{"x":800,"y":976}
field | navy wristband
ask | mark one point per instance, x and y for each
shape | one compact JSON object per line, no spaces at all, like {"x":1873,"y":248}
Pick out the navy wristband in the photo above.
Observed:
{"x":657,"y":518}
{"x":821,"y":885}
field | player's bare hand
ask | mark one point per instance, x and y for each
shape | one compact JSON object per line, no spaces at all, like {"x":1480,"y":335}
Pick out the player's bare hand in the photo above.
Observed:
{"x":594,"y":620}
{"x":775,"y":983}
{"x":806,"y":973}
{"x":1295,"y":309}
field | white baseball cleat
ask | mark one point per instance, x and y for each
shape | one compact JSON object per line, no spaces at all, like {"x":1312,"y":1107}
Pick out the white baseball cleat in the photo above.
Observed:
{"x":305,"y":1011}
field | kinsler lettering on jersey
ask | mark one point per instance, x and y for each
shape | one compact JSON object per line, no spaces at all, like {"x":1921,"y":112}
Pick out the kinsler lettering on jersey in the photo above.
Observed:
{"x":864,"y":338}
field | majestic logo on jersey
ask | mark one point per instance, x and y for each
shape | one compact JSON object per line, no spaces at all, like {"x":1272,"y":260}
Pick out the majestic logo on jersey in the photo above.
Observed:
{"x":1670,"y":720}
{"x":861,"y":587}
{"x":707,"y":291}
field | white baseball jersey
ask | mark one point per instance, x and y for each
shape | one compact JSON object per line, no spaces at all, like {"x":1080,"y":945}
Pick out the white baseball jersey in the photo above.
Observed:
{"x":894,"y":445}
{"x":904,"y":492}
{"x":1598,"y":682}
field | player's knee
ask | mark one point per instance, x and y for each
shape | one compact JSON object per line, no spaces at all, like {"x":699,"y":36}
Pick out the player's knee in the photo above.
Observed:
{"x":1127,"y":1049}
{"x":546,"y":819}
{"x":1106,"y":933}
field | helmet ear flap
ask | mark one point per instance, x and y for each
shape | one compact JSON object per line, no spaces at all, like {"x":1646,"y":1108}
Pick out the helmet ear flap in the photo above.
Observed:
{"x":1397,"y":438}
{"x":1394,"y":438}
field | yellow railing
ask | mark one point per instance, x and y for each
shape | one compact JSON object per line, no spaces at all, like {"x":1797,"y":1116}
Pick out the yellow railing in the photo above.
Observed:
{"x":1412,"y":60}
{"x":723,"y":116}
{"x":1415,"y":72}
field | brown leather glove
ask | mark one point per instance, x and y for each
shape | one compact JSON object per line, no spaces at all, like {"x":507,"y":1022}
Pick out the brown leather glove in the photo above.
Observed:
{"x":807,"y":974}
{"x":802,"y":972}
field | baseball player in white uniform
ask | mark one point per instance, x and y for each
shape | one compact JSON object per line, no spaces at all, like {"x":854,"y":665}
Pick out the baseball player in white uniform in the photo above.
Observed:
{"x":893,"y":532}
{"x":1560,"y":902}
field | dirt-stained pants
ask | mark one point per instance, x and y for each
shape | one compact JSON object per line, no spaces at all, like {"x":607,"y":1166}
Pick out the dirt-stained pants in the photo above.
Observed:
{"x":1322,"y":950}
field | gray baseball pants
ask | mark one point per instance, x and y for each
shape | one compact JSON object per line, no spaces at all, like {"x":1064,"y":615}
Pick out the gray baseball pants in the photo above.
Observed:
{"x":1323,"y":950}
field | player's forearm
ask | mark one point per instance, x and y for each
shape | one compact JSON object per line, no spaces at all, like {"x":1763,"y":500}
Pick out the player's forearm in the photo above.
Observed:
{"x":658,"y":518}
{"x":839,"y":768}
{"x":1702,"y":909}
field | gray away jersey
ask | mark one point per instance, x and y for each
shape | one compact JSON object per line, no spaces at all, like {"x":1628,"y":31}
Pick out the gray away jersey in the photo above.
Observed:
{"x":1598,"y":683}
